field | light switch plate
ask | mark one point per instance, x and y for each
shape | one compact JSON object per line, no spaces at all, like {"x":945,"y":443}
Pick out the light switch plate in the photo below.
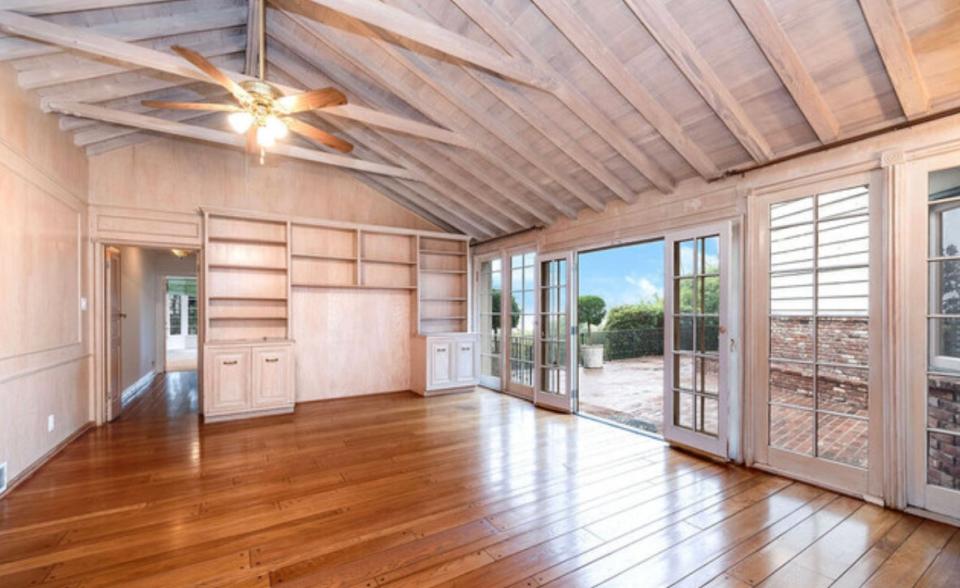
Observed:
{"x":83,"y":303}
{"x":51,"y":423}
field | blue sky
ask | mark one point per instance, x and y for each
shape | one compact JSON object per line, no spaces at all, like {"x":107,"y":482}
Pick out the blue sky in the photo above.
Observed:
{"x":623,"y":275}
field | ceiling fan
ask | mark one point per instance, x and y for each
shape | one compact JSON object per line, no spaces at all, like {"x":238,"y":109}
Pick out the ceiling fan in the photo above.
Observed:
{"x":263,"y":113}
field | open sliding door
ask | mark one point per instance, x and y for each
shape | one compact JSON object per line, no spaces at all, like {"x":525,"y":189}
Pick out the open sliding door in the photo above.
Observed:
{"x":555,"y":352}
{"x":696,"y":338}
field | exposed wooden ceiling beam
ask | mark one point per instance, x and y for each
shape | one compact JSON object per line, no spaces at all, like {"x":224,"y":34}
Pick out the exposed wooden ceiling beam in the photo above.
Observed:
{"x":411,"y":95}
{"x":134,"y":30}
{"x":894,"y":46}
{"x":431,"y":174}
{"x":433,"y":78}
{"x":552,"y":132}
{"x":54,"y":6}
{"x":159,"y":125}
{"x":493,"y":23}
{"x":67,"y":69}
{"x":785,"y":60}
{"x":251,"y":62}
{"x":431,"y":35}
{"x":385,"y":120}
{"x":518,"y":101}
{"x":678,"y":46}
{"x":90,"y":42}
{"x":586,"y":41}
{"x":98,"y":133}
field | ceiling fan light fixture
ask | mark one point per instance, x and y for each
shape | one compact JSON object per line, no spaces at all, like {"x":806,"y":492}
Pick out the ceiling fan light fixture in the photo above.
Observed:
{"x":265,"y":137}
{"x":240,"y":121}
{"x":276,"y":126}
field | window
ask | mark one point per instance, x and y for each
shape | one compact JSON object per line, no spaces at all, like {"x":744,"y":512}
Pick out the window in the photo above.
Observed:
{"x":818,"y":378}
{"x":553,"y":326}
{"x":943,"y":316}
{"x":522,"y":318}
{"x":491,"y":291}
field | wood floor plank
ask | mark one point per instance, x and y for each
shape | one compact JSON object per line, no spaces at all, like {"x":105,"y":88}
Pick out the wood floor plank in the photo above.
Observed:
{"x":476,"y":489}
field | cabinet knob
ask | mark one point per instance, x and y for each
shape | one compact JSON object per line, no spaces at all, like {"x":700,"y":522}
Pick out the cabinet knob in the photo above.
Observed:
{"x":272,"y":359}
{"x":231,"y":362}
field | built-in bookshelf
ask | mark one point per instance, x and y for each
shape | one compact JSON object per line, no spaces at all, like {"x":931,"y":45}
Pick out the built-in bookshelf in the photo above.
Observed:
{"x":254,"y":262}
{"x":245,"y":279}
{"x":443,"y":285}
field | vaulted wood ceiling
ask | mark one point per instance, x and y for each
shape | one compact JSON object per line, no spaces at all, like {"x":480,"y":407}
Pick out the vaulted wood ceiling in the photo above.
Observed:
{"x":491,"y":116}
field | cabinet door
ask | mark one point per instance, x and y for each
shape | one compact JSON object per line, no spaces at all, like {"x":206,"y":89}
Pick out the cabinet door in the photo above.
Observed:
{"x":272,"y":377}
{"x":231,"y":380}
{"x":441,"y":363}
{"x":465,"y":361}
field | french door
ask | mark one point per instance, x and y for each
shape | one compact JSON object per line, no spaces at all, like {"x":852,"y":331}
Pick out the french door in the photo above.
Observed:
{"x":554,"y":350}
{"x":522,"y":319}
{"x":816,"y":312}
{"x":932,"y":235}
{"x":697,"y":338}
{"x":490,"y":317}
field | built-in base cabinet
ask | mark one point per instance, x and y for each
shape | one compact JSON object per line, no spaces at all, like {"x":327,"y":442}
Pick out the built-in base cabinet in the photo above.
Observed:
{"x":444,"y":363}
{"x":248,"y":379}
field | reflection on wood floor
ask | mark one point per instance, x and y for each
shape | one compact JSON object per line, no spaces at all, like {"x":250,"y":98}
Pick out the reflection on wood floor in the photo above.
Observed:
{"x":468,"y":490}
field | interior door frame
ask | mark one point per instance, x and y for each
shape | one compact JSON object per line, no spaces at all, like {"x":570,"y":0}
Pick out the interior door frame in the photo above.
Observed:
{"x":113,"y":280}
{"x":566,"y":401}
{"x":833,"y":475}
{"x":716,"y":446}
{"x":913,"y":216}
{"x":98,"y":374}
{"x":479,"y":260}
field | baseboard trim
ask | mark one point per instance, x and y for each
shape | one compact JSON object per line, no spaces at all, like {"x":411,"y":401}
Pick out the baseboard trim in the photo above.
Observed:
{"x":39,"y":463}
{"x":135,"y":388}
{"x":249,"y":414}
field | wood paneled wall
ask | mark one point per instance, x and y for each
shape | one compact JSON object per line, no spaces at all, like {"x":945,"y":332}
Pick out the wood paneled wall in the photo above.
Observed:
{"x":175,"y":175}
{"x":44,"y":269}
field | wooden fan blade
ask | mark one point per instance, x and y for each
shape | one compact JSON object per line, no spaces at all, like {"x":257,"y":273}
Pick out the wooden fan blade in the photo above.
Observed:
{"x":316,"y":134}
{"x":215,"y":74}
{"x":191,"y":105}
{"x":311,"y":100}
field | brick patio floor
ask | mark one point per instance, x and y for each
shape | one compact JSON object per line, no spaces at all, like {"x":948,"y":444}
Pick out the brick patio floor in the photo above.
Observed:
{"x":627,"y":391}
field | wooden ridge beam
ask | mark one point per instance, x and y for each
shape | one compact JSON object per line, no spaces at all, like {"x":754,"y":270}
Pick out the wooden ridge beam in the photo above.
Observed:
{"x":423,"y":32}
{"x":96,"y":44}
{"x":893,"y":44}
{"x":494,"y":24}
{"x":785,"y":60}
{"x":677,"y":45}
{"x":565,"y":18}
{"x":168,"y":127}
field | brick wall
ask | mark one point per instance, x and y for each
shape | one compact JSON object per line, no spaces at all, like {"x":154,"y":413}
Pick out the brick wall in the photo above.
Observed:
{"x":943,"y":450}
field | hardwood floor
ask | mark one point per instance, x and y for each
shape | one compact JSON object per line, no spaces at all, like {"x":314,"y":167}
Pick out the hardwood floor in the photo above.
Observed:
{"x":466,"y":490}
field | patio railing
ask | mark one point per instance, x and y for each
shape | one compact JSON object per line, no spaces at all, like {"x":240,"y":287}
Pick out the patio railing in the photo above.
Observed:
{"x":626,"y":344}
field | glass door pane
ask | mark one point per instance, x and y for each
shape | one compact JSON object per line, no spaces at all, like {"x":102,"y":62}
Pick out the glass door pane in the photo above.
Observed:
{"x":553,"y":334}
{"x":489,"y":297}
{"x":818,"y":364}
{"x":942,"y":406}
{"x":694,"y":389}
{"x":522,"y":319}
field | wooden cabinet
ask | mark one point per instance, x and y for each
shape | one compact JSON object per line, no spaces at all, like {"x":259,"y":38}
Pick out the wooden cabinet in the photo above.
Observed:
{"x":272,"y":376}
{"x":444,"y":363}
{"x":229,"y":372}
{"x":244,"y":380}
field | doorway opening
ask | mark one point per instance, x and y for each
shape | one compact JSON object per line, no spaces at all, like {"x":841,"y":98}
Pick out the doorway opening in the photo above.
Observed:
{"x":150,"y":325}
{"x":620,"y":311}
{"x":180,"y":319}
